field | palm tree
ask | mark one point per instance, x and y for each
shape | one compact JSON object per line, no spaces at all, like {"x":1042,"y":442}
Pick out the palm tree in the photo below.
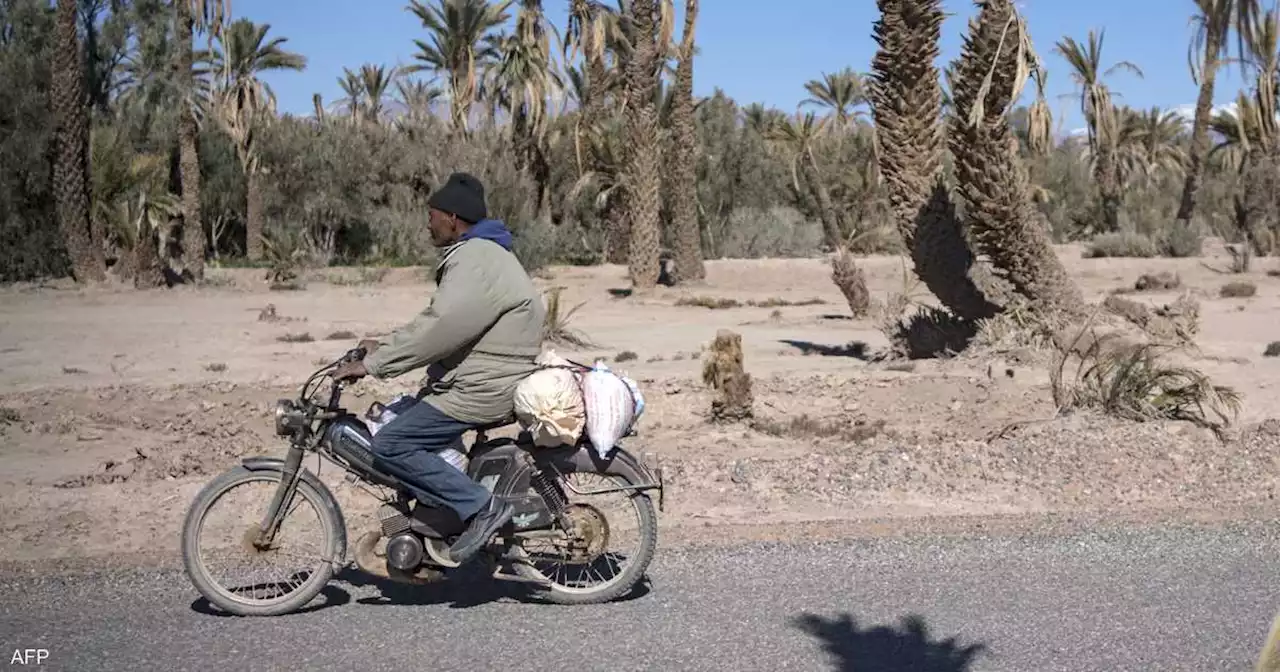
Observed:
{"x":841,"y":93}
{"x":131,"y":204}
{"x":1101,"y":118}
{"x":797,"y":135}
{"x":244,"y":102}
{"x":71,"y":162}
{"x":588,"y":33}
{"x":1148,"y":144}
{"x":643,"y":177}
{"x":353,"y":102}
{"x":760,"y":119}
{"x":522,"y":81}
{"x":416,"y":97}
{"x":190,"y":16}
{"x":1214,"y":21}
{"x":461,"y":46}
{"x":683,"y":164}
{"x":366,"y":91}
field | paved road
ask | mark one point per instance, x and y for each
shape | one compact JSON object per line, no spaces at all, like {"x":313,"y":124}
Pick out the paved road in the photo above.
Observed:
{"x":1164,"y":600}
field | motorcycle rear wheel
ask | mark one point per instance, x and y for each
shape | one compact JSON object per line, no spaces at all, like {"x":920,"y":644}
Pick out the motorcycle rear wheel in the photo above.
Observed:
{"x":561,"y":592}
{"x":318,"y":574}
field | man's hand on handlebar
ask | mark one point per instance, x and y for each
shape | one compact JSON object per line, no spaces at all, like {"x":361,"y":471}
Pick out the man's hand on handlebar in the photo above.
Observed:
{"x":352,"y":366}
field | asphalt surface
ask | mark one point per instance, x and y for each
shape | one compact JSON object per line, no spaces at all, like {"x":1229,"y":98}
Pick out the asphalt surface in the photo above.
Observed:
{"x":1184,"y":599}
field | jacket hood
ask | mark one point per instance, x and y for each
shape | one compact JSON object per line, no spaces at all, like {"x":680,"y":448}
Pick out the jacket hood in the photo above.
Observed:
{"x":489,"y":229}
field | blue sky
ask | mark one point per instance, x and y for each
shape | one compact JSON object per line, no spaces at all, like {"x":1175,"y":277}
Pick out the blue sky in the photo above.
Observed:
{"x":765,"y":51}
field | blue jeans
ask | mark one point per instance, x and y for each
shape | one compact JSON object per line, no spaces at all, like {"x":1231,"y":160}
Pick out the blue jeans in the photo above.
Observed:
{"x":408,"y":448}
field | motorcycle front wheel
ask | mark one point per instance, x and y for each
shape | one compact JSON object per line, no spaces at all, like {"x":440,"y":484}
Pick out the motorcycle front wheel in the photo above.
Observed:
{"x":309,"y":545}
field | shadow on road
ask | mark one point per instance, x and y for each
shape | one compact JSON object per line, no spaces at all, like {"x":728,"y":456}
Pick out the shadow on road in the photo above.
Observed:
{"x":905,"y":648}
{"x":465,"y":588}
{"x":333,"y":597}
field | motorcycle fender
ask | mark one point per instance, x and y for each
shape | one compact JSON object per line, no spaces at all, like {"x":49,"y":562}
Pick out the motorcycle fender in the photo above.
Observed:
{"x":619,"y":463}
{"x":263,"y":463}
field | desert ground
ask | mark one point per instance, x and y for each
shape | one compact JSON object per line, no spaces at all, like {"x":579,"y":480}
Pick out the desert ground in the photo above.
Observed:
{"x":118,"y":405}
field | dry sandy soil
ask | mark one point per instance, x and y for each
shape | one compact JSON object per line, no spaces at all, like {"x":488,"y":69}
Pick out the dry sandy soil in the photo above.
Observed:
{"x":118,"y":405}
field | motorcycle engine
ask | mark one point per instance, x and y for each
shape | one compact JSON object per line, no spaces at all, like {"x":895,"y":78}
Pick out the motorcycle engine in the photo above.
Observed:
{"x":404,"y":552}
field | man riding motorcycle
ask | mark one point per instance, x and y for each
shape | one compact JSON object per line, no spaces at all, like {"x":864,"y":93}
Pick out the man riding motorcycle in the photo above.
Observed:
{"x":479,"y":337}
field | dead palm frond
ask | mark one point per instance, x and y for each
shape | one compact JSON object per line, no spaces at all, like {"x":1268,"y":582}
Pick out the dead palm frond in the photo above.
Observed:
{"x":556,"y":329}
{"x":1136,"y":382}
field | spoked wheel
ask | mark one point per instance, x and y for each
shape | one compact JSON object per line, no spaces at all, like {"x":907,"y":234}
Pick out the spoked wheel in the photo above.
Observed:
{"x":234,"y":570}
{"x":609,"y":543}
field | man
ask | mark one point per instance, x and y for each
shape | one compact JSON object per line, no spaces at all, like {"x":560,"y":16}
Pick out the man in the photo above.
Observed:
{"x":480,"y":336}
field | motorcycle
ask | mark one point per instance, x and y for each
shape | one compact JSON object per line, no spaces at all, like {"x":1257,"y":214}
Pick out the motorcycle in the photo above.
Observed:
{"x":558,"y":522}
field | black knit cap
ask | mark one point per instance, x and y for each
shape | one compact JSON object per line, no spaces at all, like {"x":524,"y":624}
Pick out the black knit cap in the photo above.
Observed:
{"x":461,"y":195}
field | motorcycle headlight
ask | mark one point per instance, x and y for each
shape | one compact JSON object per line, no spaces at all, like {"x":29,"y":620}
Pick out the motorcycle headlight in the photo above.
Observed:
{"x":289,"y":418}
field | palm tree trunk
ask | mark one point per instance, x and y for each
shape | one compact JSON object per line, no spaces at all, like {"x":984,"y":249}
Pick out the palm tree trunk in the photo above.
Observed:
{"x":991,"y":180}
{"x":907,"y":104}
{"x":193,"y":237}
{"x":1108,"y":179}
{"x":826,"y":208}
{"x":147,"y":271}
{"x":1200,"y":128}
{"x":643,"y":192}
{"x":684,"y":191}
{"x":71,"y":163}
{"x":253,"y":215}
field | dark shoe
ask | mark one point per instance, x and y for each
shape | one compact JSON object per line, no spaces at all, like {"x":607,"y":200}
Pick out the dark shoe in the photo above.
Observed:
{"x":495,"y":514}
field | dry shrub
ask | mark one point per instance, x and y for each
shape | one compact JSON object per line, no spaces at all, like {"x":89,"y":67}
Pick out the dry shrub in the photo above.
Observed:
{"x":1238,"y":290}
{"x":1179,"y":320}
{"x":1135,"y":382}
{"x":296,"y":338}
{"x":1121,"y":244}
{"x":215,"y":367}
{"x":723,"y":372}
{"x":851,"y":282}
{"x":803,"y":426}
{"x":364,"y":276}
{"x":1137,"y":313}
{"x":556,"y":329}
{"x":776,"y":302}
{"x":269,"y":314}
{"x":710,"y":302}
{"x":9,"y":415}
{"x":1180,"y":242}
{"x":1016,"y":328}
{"x":342,"y":335}
{"x":625,"y":356}
{"x":721,"y":303}
{"x":1273,"y":349}
{"x":1157,"y":281}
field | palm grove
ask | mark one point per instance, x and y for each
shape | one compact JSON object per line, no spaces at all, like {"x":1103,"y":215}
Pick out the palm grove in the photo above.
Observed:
{"x":139,"y":137}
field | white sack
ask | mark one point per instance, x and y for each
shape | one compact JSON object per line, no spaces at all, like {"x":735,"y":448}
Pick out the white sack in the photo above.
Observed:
{"x":549,"y":405}
{"x":613,"y":404}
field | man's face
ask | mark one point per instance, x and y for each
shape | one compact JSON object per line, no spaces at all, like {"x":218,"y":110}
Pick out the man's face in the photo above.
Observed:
{"x":443,"y":226}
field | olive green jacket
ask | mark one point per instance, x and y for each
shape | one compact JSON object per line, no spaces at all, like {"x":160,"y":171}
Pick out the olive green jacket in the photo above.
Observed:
{"x":479,"y":335}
